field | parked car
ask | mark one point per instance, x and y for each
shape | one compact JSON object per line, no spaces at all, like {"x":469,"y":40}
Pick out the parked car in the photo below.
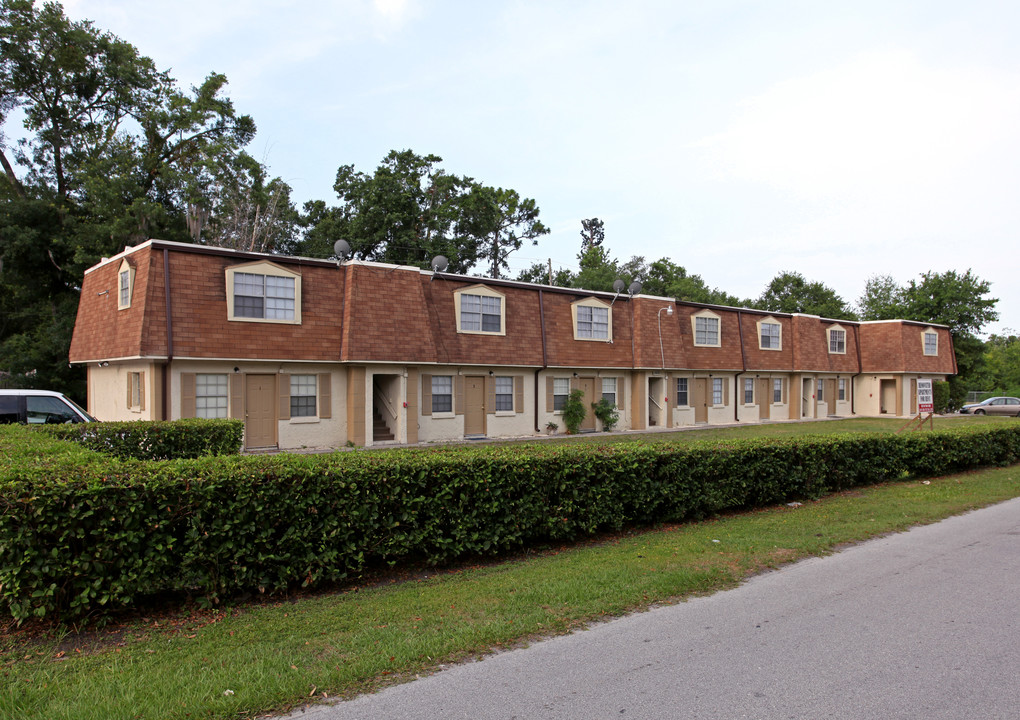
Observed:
{"x":994,"y":406}
{"x":38,"y":407}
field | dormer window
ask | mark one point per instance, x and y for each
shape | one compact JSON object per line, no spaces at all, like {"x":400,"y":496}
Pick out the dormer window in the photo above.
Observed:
{"x":263,"y":292}
{"x":125,"y":285}
{"x":706,"y":329}
{"x":837,"y":340}
{"x":480,"y":310}
{"x":930,"y":338}
{"x":593,"y":320}
{"x":770,"y":334}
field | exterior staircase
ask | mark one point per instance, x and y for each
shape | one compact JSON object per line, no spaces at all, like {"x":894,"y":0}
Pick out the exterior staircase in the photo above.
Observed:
{"x":380,"y":431}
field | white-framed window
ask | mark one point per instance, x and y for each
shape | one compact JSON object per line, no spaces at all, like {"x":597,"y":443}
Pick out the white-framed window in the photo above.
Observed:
{"x":717,"y":391}
{"x":303,"y":391}
{"x":480,"y":311}
{"x":504,"y":394}
{"x":837,"y":341}
{"x":442,"y":393}
{"x":136,"y":391}
{"x":593,"y":320}
{"x":770,"y":334}
{"x":748,"y":391}
{"x":706,"y":329}
{"x":561,"y":390}
{"x":211,"y":395}
{"x":821,"y":391}
{"x":682,"y":388}
{"x":263,"y":292}
{"x":842,"y":388}
{"x":931,"y":341}
{"x":777,"y":390}
{"x":609,"y":389}
{"x":125,"y":284}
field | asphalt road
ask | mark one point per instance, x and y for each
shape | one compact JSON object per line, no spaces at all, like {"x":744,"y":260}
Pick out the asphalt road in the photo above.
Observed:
{"x":924,"y":624}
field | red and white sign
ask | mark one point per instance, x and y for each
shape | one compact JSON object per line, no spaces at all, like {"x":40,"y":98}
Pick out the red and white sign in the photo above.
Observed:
{"x":925,"y":399}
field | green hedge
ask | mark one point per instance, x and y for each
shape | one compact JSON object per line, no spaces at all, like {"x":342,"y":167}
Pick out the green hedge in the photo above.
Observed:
{"x":155,"y":440}
{"x":82,"y":533}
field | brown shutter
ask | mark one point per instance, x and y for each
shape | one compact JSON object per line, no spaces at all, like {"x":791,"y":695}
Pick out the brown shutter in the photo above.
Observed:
{"x":458,"y":403}
{"x":187,"y":395}
{"x":130,"y":377}
{"x":412,"y":406}
{"x":670,"y":400}
{"x":237,"y":396}
{"x":597,"y":389}
{"x":284,"y":380}
{"x":620,"y":384}
{"x":549,"y":402}
{"x":141,"y":391}
{"x":726,"y":390}
{"x":426,"y":394}
{"x":325,"y":395}
{"x":518,"y":393}
{"x":490,"y":394}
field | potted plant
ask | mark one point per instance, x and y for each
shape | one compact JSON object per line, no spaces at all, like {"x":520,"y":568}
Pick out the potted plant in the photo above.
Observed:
{"x":551,"y":427}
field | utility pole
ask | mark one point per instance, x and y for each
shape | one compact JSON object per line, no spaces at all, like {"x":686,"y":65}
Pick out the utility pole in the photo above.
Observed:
{"x":550,"y":271}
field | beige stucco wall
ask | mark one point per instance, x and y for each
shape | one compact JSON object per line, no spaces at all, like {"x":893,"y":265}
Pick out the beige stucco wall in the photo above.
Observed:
{"x":292,"y":434}
{"x":107,"y":391}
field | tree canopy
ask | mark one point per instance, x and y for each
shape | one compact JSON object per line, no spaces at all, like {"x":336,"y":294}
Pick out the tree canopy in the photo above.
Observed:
{"x":410,"y":209}
{"x":790,"y":292}
{"x":111,"y":152}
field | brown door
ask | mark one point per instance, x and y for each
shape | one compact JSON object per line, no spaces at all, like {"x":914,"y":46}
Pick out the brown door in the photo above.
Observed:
{"x":701,"y":400}
{"x":260,"y":411}
{"x":587,"y":386}
{"x":474,"y":401}
{"x":764,"y":391}
{"x":913,"y":396}
{"x":830,"y":395}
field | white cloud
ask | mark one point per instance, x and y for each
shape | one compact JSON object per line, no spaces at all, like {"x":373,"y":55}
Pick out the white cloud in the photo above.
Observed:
{"x":873,"y":125}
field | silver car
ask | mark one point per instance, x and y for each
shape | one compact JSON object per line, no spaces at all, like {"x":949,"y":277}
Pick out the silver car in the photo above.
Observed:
{"x":994,"y":406}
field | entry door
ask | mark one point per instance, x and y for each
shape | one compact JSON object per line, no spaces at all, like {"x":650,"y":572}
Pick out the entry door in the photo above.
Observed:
{"x":701,"y":400}
{"x":587,"y":386}
{"x":808,"y":398}
{"x":888,"y":397}
{"x":913,"y":396}
{"x":260,"y":411}
{"x":830,"y":395}
{"x":474,"y":398}
{"x":764,"y":391}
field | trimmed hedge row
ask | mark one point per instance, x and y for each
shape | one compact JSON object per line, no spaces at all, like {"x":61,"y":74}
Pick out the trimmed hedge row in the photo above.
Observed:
{"x":155,"y":440}
{"x":80,"y":538}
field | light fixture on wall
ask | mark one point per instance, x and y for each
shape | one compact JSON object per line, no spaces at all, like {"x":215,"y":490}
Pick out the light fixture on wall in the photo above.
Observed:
{"x":575,"y":374}
{"x":104,"y":364}
{"x":491,"y":373}
{"x":658,"y":316}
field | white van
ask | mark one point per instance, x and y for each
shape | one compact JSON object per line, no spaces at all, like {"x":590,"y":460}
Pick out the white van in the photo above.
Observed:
{"x":38,"y":407}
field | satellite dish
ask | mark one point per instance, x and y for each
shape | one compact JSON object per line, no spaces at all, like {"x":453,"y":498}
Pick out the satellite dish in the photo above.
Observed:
{"x":342,"y":249}
{"x":635,"y":288}
{"x":440,"y":263}
{"x":618,"y":285}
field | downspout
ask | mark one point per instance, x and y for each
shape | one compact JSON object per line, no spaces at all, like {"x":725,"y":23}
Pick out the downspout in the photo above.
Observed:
{"x":545,"y":361}
{"x":169,"y":335}
{"x":743,"y":369}
{"x":860,"y":371}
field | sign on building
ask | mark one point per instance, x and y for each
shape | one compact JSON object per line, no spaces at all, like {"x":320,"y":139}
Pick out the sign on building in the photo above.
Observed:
{"x":925,"y":399}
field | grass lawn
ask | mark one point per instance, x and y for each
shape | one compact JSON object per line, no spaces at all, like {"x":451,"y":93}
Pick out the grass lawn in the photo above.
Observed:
{"x":249,"y":659}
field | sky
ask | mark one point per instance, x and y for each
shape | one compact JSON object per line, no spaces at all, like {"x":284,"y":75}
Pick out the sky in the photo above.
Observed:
{"x":739,"y":139}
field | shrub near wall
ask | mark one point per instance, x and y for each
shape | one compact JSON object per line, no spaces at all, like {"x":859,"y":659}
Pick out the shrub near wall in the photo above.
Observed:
{"x":156,"y":440}
{"x":82,"y":532}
